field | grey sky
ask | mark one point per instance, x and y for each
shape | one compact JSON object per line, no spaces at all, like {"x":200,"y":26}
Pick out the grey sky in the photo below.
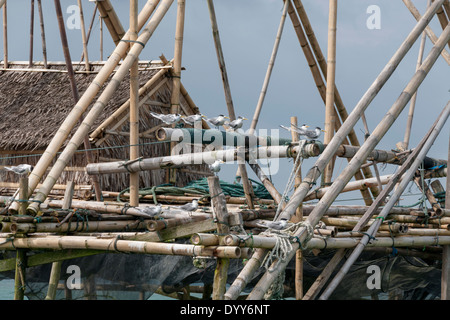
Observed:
{"x":247,"y":30}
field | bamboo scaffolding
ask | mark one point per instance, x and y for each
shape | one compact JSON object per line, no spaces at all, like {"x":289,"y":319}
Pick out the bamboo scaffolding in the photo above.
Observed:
{"x":395,"y":196}
{"x":445,"y":276}
{"x":414,"y":98}
{"x":109,"y":16}
{"x":95,"y":111}
{"x":56,"y":265}
{"x":312,"y":175}
{"x":317,"y":77}
{"x":134,"y":106}
{"x":273,"y":56}
{"x":75,"y":94}
{"x":82,"y":104}
{"x":428,"y":31}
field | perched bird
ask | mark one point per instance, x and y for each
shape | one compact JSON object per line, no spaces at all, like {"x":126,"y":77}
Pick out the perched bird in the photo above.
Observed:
{"x":277,"y":225}
{"x":236,"y":124}
{"x":192,"y":119}
{"x":151,"y":210}
{"x":215,"y":167}
{"x":167,"y":118}
{"x":218,"y":121}
{"x":192,"y":206}
{"x":21,"y":169}
{"x":313,"y":134}
{"x":300,"y":130}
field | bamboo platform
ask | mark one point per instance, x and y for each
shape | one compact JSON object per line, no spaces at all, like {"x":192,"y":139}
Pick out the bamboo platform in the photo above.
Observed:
{"x":228,"y":247}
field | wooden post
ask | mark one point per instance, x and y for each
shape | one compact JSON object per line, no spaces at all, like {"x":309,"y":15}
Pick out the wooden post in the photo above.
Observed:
{"x":219,"y":205}
{"x":445,"y":277}
{"x":44,"y":46}
{"x":134,"y":107}
{"x":83,"y":37}
{"x":55,"y":272}
{"x":269,"y":70}
{"x":19,"y":279}
{"x":5,"y":35}
{"x":101,"y":36}
{"x":75,"y":94}
{"x":30,"y":63}
{"x":331,"y":72}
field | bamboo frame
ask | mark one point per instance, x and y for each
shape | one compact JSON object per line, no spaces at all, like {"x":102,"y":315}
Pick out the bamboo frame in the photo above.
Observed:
{"x":83,"y":103}
{"x":83,"y":130}
{"x":44,"y":45}
{"x":84,"y":37}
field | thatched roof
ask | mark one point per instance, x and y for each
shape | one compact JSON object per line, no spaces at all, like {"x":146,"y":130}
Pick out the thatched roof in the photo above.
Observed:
{"x":33,"y":105}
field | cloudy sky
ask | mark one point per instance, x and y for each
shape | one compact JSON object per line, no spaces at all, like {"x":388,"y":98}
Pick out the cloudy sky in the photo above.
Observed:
{"x":247,"y":30}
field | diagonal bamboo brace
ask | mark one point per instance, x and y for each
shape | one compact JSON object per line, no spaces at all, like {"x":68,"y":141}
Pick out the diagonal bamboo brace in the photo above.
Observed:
{"x":323,"y":160}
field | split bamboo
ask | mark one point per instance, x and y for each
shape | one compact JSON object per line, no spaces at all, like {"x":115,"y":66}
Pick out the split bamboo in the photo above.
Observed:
{"x":81,"y":106}
{"x":95,"y":111}
{"x":312,"y":175}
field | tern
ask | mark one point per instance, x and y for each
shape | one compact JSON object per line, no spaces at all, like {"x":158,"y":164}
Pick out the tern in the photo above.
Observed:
{"x":192,"y":119}
{"x":167,"y":118}
{"x":151,"y":211}
{"x":192,"y":206}
{"x":218,"y":121}
{"x":21,"y":169}
{"x":236,"y":124}
{"x":277,"y":225}
{"x":313,"y":134}
{"x":215,"y":167}
{"x":300,"y":130}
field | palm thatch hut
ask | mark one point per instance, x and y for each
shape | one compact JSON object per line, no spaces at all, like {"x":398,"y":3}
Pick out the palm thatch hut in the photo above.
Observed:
{"x":35,"y":101}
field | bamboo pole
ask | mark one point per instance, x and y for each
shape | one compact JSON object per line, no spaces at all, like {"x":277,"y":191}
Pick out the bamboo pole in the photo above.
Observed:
{"x":125,"y":246}
{"x":83,"y":37}
{"x":445,"y":276}
{"x":175,"y":105}
{"x":356,"y":162}
{"x":395,"y":196}
{"x":44,"y":45}
{"x":5,"y":33}
{"x":56,"y":265}
{"x":101,"y":35}
{"x":414,"y":98}
{"x":21,"y":257}
{"x":269,"y":70}
{"x":219,"y":205}
{"x":443,"y":20}
{"x":320,"y":82}
{"x":73,"y":117}
{"x":134,"y":107}
{"x":428,"y":31}
{"x":98,"y":107}
{"x":341,"y":110}
{"x":88,"y":35}
{"x":221,"y":60}
{"x":30,"y":60}
{"x":331,"y":75}
{"x":75,"y":94}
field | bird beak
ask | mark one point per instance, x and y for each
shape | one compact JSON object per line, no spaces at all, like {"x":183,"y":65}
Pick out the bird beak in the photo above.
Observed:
{"x":323,"y":130}
{"x":245,"y":118}
{"x":226,"y":117}
{"x":307,"y":126}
